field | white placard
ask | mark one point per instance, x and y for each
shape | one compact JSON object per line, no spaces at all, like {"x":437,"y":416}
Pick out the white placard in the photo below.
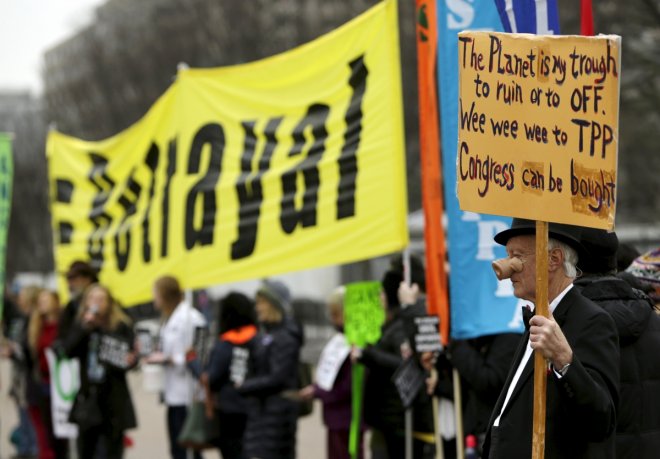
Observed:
{"x":333,"y":356}
{"x":64,"y":385}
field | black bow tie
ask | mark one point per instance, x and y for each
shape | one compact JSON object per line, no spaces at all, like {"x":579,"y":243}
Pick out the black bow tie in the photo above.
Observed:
{"x":527,"y":314}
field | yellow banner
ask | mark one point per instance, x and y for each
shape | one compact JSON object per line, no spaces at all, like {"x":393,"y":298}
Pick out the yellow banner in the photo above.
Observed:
{"x":538,"y":126}
{"x":288,"y":163}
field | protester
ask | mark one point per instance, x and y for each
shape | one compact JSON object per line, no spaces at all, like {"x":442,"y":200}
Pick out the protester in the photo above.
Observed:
{"x":228,"y":366}
{"x":21,"y":387}
{"x":336,"y":399}
{"x":102,"y":339}
{"x":646,"y":269}
{"x":179,"y":322}
{"x":580,"y":343}
{"x":383,"y":410}
{"x":42,"y":331}
{"x":638,"y":415}
{"x":272,"y":417}
{"x":79,"y":276}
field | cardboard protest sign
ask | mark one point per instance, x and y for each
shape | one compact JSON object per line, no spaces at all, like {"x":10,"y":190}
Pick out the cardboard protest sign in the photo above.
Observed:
{"x":64,"y":385}
{"x":538,"y":126}
{"x":332,"y":358}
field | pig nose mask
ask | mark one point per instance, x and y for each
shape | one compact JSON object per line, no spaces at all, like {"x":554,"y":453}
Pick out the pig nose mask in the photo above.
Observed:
{"x":505,"y":267}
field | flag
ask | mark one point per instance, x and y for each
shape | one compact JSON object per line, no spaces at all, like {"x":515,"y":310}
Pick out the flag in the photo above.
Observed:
{"x":291,"y":162}
{"x":480,"y":305}
{"x":539,"y":17}
{"x":429,"y":151}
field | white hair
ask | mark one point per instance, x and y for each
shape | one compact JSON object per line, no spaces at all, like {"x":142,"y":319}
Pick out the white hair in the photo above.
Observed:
{"x":337,"y":297}
{"x":570,"y":256}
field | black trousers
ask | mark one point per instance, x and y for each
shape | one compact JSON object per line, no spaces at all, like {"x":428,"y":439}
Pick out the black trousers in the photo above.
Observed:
{"x":176,"y":416}
{"x":230,"y":439}
{"x":104,"y":436}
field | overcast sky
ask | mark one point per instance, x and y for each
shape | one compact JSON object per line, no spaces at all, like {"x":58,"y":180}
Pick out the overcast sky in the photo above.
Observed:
{"x":28,"y":28}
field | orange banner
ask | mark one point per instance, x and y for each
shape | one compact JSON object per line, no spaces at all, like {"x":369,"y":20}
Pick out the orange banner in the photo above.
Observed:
{"x":434,"y":236}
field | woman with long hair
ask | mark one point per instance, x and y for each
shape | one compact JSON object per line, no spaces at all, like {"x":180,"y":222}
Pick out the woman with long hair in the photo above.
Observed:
{"x":102,"y":338}
{"x":179,"y":321}
{"x":42,"y":331}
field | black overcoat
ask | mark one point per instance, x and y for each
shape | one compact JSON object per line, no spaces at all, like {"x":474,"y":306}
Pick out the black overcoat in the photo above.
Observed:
{"x":581,"y":406}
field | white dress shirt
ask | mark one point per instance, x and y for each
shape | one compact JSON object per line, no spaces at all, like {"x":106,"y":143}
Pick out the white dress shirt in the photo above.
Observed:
{"x":176,"y":338}
{"x":525,"y":358}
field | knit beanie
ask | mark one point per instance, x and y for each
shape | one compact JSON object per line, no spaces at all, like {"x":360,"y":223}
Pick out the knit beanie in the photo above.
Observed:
{"x":647,"y":267}
{"x":277,"y":294}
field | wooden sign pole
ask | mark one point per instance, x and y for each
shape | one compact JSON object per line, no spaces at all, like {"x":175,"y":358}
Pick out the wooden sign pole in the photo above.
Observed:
{"x":540,"y":365}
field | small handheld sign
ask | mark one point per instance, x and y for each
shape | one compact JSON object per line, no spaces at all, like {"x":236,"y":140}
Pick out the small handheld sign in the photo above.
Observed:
{"x":426,"y":334}
{"x":114,"y":351}
{"x":409,"y":380}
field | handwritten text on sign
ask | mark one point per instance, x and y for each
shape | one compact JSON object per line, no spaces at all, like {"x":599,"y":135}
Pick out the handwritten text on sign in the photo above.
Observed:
{"x":538,"y":126}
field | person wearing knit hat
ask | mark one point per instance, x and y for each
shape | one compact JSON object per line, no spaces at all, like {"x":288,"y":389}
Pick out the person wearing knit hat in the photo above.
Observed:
{"x":638,"y":423}
{"x":272,"y":419}
{"x":646,"y":268}
{"x":277,"y":294}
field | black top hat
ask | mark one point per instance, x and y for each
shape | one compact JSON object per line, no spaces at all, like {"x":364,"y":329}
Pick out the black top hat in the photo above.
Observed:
{"x":568,"y":234}
{"x":600,"y":248}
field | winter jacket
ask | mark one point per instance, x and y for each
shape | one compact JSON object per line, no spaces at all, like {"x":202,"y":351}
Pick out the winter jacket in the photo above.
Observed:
{"x":638,"y":416}
{"x":272,"y":418}
{"x":103,"y":386}
{"x":382,"y":404}
{"x":337,"y":401}
{"x":227,"y":367}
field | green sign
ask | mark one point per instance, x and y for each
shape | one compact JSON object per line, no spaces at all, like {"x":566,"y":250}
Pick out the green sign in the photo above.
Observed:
{"x":6,"y":178}
{"x":363,"y":313}
{"x":363,"y":317}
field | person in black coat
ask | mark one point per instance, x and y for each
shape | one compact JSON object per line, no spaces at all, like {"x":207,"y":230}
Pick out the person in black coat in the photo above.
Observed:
{"x":580,"y":342}
{"x":227,"y":366}
{"x":638,"y":417}
{"x":102,"y":339}
{"x":272,"y":416}
{"x":383,"y":410}
{"x":79,"y":276}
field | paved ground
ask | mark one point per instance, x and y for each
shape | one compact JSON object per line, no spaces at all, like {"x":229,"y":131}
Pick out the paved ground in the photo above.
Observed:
{"x":150,"y":438}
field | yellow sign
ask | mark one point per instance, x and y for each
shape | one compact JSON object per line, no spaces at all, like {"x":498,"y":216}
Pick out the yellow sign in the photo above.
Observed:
{"x":291,"y":162}
{"x":538,"y":126}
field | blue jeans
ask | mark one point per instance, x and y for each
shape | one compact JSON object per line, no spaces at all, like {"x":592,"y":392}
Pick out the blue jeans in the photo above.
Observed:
{"x":23,"y":436}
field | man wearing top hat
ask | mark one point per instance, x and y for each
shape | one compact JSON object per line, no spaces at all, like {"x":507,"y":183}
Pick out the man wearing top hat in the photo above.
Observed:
{"x":580,"y":344}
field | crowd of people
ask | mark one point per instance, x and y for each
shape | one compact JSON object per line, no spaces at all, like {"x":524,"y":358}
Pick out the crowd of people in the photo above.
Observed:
{"x":600,"y":341}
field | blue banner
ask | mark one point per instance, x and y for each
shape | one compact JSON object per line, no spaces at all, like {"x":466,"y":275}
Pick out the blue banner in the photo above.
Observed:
{"x":529,"y":16}
{"x":479,"y":304}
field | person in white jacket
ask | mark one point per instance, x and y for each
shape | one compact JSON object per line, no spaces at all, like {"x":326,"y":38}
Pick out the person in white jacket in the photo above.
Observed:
{"x":179,"y":322}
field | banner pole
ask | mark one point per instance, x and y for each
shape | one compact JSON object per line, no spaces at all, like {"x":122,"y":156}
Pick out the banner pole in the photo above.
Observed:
{"x":540,"y":364}
{"x":458,"y":413}
{"x":439,"y":450}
